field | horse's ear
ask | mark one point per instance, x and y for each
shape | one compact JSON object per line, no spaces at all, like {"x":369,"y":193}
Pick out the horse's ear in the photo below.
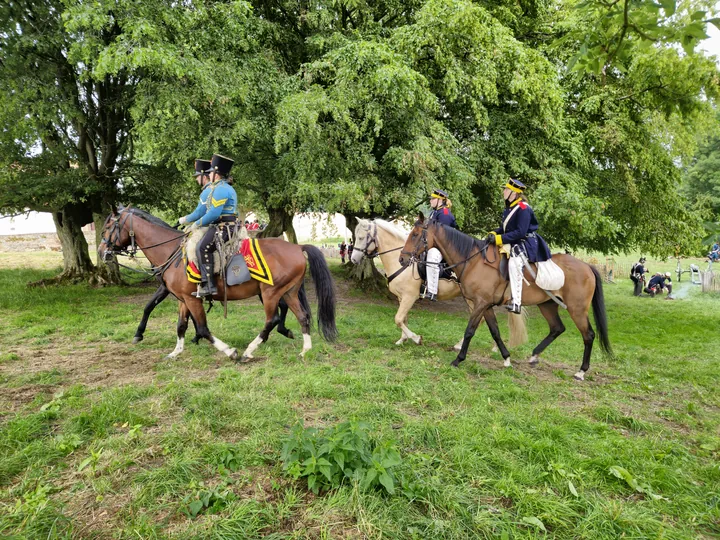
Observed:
{"x":357,"y":218}
{"x":113,"y":210}
{"x":421,"y":217}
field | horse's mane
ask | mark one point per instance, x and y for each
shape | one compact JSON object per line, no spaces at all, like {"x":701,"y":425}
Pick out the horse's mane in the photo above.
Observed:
{"x":390,"y":228}
{"x":149,"y":217}
{"x":461,"y":242}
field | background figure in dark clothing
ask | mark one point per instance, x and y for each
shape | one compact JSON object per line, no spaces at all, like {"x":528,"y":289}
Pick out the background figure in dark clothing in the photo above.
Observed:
{"x":637,"y":274}
{"x":343,"y":251}
{"x":659,"y":282}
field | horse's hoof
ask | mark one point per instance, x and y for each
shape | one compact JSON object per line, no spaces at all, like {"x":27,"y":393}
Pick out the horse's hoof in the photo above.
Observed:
{"x":233,"y":355}
{"x":419,"y":340}
{"x":534,"y":361}
{"x":244,"y":358}
{"x":290,"y":335}
{"x":455,"y":363}
{"x":579,"y":376}
{"x":137,"y":339}
{"x":507,"y":364}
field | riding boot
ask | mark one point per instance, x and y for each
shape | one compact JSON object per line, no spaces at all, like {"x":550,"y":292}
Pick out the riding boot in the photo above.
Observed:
{"x":207,"y":276}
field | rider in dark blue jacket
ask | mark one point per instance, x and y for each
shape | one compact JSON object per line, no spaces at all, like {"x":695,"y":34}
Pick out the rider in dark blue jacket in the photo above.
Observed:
{"x":519,"y":230}
{"x":441,"y":213}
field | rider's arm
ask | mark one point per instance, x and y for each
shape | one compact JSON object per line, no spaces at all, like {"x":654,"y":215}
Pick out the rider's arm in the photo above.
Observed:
{"x":196,"y":214}
{"x":216,"y":201}
{"x":523,"y":224}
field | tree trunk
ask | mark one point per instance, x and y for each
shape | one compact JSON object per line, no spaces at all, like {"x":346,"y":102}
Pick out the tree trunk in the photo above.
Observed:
{"x":107,"y":274}
{"x":77,"y":265}
{"x":351,"y":223}
{"x":280,"y":221}
{"x":368,"y":278}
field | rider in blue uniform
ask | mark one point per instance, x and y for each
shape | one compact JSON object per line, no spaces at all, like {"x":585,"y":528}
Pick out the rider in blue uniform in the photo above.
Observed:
{"x":441,"y":213}
{"x":519,"y":229}
{"x":217,"y":210}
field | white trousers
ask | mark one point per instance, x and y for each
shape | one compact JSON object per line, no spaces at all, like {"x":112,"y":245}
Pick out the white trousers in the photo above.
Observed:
{"x":515,"y":269}
{"x":433,"y":270}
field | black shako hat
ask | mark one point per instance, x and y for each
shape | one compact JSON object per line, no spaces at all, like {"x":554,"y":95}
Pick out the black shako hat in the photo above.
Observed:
{"x":221,"y":165}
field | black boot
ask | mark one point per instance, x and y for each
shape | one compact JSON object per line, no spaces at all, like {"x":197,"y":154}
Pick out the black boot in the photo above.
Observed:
{"x":207,"y":287}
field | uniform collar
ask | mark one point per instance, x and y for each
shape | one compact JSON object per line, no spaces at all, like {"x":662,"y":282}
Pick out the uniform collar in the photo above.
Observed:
{"x":515,"y":202}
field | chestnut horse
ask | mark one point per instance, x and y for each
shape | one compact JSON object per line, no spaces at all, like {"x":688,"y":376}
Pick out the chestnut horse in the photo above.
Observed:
{"x":161,"y":244}
{"x":477,"y":265}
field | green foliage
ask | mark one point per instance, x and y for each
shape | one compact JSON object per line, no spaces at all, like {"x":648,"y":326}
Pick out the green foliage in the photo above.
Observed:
{"x":339,"y":455}
{"x":206,"y":500}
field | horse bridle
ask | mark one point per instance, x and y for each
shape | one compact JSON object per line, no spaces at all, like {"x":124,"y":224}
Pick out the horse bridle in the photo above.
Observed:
{"x":371,"y":236}
{"x":113,"y":247}
{"x":414,"y":254}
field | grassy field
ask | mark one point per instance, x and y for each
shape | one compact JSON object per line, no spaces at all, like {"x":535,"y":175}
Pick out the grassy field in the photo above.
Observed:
{"x":103,"y":439}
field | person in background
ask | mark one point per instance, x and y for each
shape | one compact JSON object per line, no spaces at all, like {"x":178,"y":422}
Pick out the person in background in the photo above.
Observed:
{"x":637,"y":275}
{"x":658,"y":283}
{"x":351,"y":247}
{"x":343,"y":251}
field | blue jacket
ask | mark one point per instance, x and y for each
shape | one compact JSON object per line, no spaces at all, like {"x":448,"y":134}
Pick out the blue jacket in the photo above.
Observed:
{"x":216,"y":200}
{"x":521,"y":229}
{"x":444,"y":216}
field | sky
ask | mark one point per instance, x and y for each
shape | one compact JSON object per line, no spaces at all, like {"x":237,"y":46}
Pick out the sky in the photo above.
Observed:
{"x":712,"y":45}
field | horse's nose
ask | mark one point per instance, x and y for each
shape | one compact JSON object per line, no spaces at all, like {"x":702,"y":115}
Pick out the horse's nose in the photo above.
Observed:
{"x":401,"y":259}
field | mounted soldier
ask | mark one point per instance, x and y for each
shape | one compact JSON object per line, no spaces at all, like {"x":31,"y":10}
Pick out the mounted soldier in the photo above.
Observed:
{"x":441,"y":213}
{"x":217,"y":210}
{"x":519,"y":230}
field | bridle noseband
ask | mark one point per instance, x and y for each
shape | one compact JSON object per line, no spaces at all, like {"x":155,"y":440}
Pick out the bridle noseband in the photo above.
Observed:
{"x":371,"y":236}
{"x":415,"y":254}
{"x":113,"y":240}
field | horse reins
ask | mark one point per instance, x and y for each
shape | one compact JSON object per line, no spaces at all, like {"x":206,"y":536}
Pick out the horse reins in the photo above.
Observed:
{"x":112,"y":244}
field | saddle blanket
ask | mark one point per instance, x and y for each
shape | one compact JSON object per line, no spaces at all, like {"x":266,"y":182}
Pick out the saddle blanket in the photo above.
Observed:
{"x":254,"y":259}
{"x":549,"y":276}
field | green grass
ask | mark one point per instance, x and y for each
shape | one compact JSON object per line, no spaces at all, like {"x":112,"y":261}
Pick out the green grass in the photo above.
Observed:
{"x":101,"y":438}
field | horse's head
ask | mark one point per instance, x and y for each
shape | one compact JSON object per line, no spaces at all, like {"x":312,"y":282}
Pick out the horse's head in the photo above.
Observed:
{"x":420,"y":240}
{"x":366,"y":242}
{"x":115,"y":235}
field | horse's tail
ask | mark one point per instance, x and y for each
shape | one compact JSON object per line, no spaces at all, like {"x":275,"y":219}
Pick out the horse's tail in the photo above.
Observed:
{"x":598,"y":305}
{"x":518,"y":328}
{"x":325,"y":291}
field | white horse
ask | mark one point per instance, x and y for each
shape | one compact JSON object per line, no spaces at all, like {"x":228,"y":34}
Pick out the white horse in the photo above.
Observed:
{"x":378,"y":238}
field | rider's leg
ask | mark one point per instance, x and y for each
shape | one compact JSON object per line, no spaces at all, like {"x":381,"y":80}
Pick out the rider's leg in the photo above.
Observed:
{"x":515,"y":270}
{"x":434,"y":257}
{"x":205,"y":251}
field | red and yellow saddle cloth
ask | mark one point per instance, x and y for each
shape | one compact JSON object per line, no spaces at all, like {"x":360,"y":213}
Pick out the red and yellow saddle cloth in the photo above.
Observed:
{"x":251,"y":252}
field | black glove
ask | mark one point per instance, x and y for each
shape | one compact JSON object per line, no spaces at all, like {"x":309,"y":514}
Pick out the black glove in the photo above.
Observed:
{"x":177,"y":225}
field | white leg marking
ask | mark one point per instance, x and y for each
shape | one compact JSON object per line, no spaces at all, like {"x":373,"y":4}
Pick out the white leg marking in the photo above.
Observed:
{"x":223,"y":347}
{"x":251,"y":348}
{"x":307,"y":344}
{"x":178,"y":348}
{"x":495,"y":348}
{"x":402,"y":339}
{"x":410,"y":334}
{"x":580,"y":375}
{"x":507,"y":363}
{"x":534,"y":360}
{"x":458,"y":346}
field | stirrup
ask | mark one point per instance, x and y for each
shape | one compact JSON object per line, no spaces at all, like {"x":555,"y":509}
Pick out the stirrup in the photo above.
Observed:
{"x":514,"y":308}
{"x":205,"y":291}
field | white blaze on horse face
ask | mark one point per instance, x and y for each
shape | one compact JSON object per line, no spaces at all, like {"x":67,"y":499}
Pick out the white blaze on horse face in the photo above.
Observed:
{"x":178,"y":348}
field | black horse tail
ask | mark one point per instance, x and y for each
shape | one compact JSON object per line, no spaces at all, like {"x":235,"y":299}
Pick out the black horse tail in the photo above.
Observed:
{"x":598,"y":305}
{"x":325,"y":290}
{"x":305,"y":304}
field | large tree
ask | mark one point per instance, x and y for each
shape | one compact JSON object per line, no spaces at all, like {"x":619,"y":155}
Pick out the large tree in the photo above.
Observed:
{"x":66,"y":145}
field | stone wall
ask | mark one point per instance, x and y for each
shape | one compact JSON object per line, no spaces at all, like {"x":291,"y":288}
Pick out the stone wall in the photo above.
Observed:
{"x":37,"y":242}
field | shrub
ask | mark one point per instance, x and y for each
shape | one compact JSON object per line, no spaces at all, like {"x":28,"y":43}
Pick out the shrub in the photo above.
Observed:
{"x":339,"y":455}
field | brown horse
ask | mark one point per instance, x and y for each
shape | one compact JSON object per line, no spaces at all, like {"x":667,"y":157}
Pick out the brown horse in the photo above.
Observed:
{"x":161,"y":245}
{"x":477,"y":264}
